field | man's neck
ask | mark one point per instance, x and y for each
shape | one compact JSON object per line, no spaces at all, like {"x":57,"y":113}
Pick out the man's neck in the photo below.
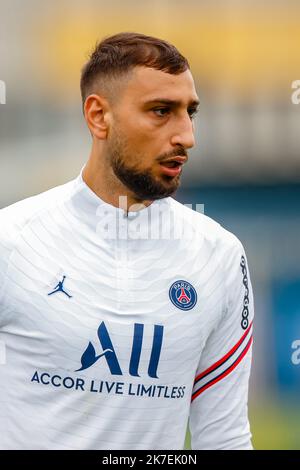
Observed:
{"x":105,"y":184}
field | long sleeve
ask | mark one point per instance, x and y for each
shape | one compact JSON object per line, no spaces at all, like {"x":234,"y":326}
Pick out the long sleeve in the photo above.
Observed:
{"x":219,"y":411}
{"x":13,"y":219}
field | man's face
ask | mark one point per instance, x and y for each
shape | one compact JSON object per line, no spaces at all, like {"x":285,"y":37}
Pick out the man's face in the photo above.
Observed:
{"x":151,"y":132}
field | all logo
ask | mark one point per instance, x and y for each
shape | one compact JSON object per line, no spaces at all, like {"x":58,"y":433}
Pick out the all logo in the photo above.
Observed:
{"x":89,"y":357}
{"x":183,"y":295}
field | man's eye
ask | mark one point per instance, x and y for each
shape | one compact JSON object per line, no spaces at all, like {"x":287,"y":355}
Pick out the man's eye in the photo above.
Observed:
{"x":192,"y":112}
{"x":161,"y":111}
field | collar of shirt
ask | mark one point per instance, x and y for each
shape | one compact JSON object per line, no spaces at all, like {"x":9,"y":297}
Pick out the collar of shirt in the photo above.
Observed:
{"x":113,"y":221}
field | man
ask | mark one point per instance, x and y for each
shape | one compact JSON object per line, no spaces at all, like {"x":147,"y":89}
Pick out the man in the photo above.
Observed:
{"x":125,"y":314}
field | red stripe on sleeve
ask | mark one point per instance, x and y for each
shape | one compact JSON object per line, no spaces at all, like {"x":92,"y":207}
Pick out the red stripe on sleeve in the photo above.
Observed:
{"x":225,"y":373}
{"x":224,"y":358}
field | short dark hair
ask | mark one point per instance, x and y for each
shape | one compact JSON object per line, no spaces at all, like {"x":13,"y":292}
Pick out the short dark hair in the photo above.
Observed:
{"x":117,"y":55}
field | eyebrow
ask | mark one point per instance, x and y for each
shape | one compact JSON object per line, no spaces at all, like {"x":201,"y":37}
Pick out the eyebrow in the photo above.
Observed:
{"x":172,"y":102}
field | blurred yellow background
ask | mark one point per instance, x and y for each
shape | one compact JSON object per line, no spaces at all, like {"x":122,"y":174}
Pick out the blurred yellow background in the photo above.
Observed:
{"x":240,"y":44}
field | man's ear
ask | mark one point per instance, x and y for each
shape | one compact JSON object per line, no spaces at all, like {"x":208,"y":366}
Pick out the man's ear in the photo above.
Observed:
{"x":97,"y":116}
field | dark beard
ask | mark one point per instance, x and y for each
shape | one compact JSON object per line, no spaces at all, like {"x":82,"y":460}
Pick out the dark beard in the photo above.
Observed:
{"x":142,"y":184}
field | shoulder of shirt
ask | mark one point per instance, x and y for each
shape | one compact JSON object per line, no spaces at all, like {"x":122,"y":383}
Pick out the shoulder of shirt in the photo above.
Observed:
{"x":211,"y":230}
{"x":14,"y":218}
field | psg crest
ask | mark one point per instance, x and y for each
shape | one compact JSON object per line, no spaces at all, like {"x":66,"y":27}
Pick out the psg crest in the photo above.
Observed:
{"x":183,"y":295}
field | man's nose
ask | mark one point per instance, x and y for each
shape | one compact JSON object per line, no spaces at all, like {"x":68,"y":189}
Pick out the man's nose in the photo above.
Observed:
{"x":184,"y":133}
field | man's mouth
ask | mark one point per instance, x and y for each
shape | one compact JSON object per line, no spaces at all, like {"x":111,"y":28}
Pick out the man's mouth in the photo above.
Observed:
{"x":173,"y":166}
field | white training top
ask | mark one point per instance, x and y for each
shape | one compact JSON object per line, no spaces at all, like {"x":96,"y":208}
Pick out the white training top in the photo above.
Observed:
{"x":115,"y":330}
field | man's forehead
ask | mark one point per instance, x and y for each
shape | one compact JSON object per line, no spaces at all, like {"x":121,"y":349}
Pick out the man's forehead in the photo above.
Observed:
{"x":148,"y":84}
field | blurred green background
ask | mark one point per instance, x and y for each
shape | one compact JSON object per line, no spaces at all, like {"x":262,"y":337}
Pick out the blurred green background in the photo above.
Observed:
{"x":245,"y":169}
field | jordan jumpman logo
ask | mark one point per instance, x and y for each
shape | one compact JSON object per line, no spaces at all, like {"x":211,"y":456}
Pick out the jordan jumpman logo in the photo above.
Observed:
{"x":60,"y":288}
